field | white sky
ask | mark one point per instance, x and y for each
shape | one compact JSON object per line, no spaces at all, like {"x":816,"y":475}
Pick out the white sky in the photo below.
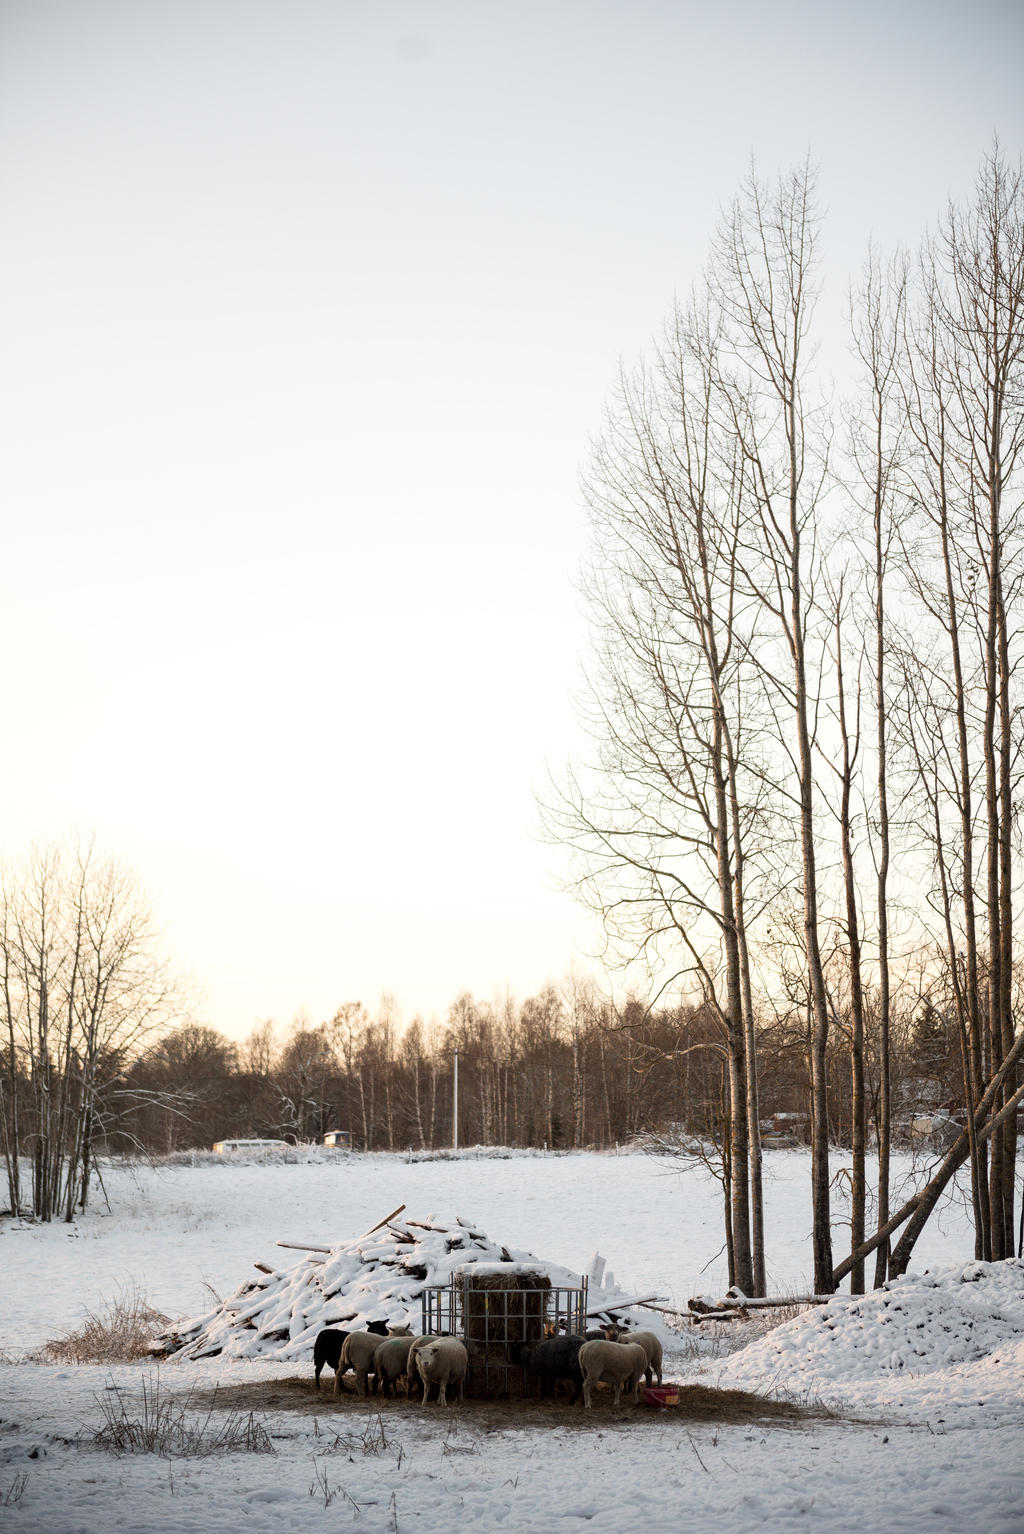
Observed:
{"x":306,"y":312}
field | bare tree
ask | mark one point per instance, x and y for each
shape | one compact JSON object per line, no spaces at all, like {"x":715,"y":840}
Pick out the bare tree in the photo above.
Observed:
{"x":763,"y":272}
{"x":671,"y":823}
{"x":849,"y":751}
{"x":963,"y":383}
{"x":878,"y":311}
{"x":84,"y":984}
{"x":258,"y":1050}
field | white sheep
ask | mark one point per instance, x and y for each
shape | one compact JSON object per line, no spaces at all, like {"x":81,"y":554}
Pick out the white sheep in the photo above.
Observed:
{"x":357,"y":1353}
{"x":443,"y":1362}
{"x":614,"y":1363}
{"x":646,"y":1340}
{"x":390,"y":1362}
{"x":417,"y":1343}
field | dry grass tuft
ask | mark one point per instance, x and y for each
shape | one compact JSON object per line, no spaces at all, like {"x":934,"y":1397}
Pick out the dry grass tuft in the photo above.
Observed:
{"x":372,"y":1440}
{"x":120,"y":1334}
{"x":160,"y":1424}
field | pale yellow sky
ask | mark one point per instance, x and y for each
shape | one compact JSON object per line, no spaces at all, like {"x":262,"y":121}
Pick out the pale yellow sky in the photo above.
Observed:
{"x":307,"y":311}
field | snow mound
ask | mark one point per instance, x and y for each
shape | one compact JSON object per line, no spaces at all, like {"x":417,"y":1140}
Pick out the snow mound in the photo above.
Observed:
{"x":377,"y":1277}
{"x":960,"y":1322}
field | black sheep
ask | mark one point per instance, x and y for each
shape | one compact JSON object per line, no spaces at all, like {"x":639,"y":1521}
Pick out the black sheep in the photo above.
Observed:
{"x":554,"y":1359}
{"x":328,"y":1345}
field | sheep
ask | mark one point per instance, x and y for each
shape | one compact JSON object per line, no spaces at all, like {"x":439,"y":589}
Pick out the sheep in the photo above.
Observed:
{"x":390,"y":1362}
{"x":417,"y":1343}
{"x":358,"y":1350}
{"x":357,"y":1353}
{"x":443,"y":1362}
{"x":616,"y":1363}
{"x":648,"y":1341}
{"x":553,"y":1359}
{"x":328,"y":1345}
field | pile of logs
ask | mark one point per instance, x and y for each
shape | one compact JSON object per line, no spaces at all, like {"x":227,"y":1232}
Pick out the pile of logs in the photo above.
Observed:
{"x":379,"y":1276}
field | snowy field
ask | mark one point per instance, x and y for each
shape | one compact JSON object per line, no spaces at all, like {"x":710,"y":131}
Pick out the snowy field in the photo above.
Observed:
{"x":913,"y":1399}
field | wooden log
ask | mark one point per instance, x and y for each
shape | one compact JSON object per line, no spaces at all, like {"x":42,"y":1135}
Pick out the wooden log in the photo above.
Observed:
{"x":738,"y":1302}
{"x":385,"y":1220}
{"x":701,"y":1307}
{"x":740,"y":1309}
{"x":263,"y":1267}
{"x":304,"y":1246}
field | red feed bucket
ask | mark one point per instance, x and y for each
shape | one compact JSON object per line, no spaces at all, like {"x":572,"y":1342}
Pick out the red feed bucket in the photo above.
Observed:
{"x":661,"y":1395}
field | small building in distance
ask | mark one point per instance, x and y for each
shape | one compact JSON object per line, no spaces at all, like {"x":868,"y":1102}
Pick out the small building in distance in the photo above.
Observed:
{"x":224,"y":1147}
{"x":783,"y":1131}
{"x":341,"y":1139}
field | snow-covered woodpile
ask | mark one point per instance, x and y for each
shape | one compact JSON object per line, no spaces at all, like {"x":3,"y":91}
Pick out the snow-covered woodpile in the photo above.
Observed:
{"x":380,"y":1276}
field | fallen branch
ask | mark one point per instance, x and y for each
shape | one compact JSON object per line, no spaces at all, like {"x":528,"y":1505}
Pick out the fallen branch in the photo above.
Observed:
{"x":623,"y":1304}
{"x":738,"y":1305}
{"x":304,"y":1246}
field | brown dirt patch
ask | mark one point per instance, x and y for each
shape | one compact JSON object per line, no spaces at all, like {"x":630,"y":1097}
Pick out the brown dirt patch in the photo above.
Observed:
{"x":697,"y":1403}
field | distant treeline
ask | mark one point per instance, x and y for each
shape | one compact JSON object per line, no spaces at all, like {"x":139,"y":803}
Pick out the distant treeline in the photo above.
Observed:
{"x":99,"y":1055}
{"x":561,"y":1069}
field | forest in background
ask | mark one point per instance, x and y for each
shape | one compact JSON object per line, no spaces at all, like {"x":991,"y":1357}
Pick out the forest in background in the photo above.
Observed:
{"x":560,"y":1070}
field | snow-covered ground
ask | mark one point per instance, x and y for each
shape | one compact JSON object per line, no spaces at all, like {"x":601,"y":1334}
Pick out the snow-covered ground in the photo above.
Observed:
{"x":925,"y":1382}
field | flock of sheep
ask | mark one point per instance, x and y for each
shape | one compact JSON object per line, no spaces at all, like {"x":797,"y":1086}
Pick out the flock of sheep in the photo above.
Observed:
{"x":392,"y":1356}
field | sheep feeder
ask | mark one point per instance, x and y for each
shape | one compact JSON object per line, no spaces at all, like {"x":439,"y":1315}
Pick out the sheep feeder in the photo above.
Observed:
{"x":493,"y":1306}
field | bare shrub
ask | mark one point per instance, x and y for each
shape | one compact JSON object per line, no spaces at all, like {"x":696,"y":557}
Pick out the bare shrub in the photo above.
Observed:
{"x":765,"y":1321}
{"x":700,"y":1343}
{"x":160,"y":1424}
{"x":372,"y":1440}
{"x":121,"y":1333}
{"x":718,"y":1338}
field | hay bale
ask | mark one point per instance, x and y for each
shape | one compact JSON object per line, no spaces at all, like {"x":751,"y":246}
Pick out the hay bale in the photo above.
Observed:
{"x":499,"y":1304}
{"x":502,"y":1302}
